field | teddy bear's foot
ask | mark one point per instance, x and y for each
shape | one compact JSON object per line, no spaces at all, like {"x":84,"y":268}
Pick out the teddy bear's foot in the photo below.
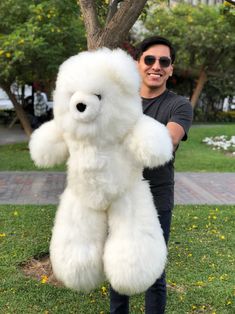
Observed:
{"x":77,"y":244}
{"x":135,"y":252}
{"x":77,"y":271}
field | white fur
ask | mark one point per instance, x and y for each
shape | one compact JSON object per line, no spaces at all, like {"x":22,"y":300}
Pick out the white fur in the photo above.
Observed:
{"x":47,"y":145}
{"x":106,"y":223}
{"x":135,"y":251}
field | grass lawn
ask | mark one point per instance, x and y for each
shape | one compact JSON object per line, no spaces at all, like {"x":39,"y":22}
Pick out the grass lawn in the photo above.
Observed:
{"x":15,"y":157}
{"x":200,"y":268}
{"x":193,"y":155}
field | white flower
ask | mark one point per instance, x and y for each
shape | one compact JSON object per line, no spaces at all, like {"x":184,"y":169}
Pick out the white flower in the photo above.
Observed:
{"x":221,"y":142}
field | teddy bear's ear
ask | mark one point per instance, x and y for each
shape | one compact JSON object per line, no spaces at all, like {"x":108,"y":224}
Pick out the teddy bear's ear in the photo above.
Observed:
{"x":124,"y":71}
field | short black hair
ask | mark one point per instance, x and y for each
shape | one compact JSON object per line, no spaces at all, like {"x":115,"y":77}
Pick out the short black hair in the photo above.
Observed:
{"x":151,"y":41}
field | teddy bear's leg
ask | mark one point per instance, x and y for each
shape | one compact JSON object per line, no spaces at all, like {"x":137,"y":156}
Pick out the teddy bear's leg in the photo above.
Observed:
{"x":135,"y":251}
{"x":77,"y":244}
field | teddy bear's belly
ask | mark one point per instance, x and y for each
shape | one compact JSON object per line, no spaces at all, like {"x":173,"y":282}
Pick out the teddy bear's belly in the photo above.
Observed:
{"x":101,"y":181}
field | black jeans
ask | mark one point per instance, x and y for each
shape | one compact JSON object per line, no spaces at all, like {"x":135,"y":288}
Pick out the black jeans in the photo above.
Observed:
{"x":155,"y":296}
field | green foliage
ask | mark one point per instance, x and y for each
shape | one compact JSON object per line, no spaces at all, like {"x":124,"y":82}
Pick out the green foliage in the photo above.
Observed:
{"x":102,"y":7}
{"x":36,"y":36}
{"x":203,"y":36}
{"x":200,"y":264}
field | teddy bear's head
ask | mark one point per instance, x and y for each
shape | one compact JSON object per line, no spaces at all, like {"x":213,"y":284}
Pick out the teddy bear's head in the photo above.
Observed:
{"x":97,"y":94}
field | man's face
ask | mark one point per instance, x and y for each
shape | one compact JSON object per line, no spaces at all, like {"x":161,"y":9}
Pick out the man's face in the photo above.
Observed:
{"x":155,"y":76}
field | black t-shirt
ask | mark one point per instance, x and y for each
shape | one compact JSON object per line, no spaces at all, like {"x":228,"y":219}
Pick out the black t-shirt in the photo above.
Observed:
{"x":168,"y":107}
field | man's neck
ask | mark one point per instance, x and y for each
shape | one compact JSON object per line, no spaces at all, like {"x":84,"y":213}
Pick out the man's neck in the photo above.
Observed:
{"x":151,"y":93}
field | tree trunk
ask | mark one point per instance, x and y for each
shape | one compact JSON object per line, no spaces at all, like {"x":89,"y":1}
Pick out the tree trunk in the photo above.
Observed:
{"x":19,"y":111}
{"x":121,"y":17}
{"x":199,"y":87}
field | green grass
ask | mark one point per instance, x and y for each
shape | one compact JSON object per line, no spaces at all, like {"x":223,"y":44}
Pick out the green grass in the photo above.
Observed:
{"x":193,"y":155}
{"x":15,"y":157}
{"x":200,"y":267}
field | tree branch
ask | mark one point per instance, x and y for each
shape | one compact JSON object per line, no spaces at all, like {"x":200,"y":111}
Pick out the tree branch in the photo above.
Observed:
{"x":116,"y":30}
{"x":126,"y":15}
{"x":90,"y":18}
{"x":119,"y":21}
{"x":113,"y":7}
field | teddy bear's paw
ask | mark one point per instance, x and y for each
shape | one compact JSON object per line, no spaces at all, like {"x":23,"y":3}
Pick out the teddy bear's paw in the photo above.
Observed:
{"x":82,"y":280}
{"x":80,"y":277}
{"x":150,"y":142}
{"x":132,"y":268}
{"x":47,"y":146}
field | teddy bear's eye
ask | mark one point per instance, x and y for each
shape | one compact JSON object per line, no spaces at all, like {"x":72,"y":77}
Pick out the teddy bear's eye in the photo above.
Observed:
{"x":99,"y":96}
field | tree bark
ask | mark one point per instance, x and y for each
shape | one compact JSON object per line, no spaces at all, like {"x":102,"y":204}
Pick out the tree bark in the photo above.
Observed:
{"x":199,"y":87}
{"x":119,"y":21}
{"x":19,"y":111}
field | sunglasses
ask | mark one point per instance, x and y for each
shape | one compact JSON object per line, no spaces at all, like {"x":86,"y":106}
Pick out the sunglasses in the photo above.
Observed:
{"x":163,"y":61}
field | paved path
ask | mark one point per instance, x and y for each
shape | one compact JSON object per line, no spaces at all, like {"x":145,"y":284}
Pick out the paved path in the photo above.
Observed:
{"x":45,"y":188}
{"x":12,"y":135}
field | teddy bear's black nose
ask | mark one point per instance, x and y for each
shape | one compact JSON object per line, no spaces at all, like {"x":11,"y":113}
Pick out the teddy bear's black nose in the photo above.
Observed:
{"x":81,"y":107}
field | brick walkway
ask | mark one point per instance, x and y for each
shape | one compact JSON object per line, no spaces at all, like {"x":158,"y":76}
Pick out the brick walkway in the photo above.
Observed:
{"x":45,"y":188}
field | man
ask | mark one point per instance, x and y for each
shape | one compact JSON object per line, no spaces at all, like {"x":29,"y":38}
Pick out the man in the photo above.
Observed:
{"x":40,"y":108}
{"x":155,"y":57}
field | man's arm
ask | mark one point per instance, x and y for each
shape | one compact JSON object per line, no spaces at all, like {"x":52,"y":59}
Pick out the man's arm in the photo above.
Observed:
{"x":176,"y":132}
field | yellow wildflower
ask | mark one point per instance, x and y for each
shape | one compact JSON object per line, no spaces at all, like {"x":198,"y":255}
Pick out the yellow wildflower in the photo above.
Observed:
{"x":222,"y":237}
{"x":104,"y":290}
{"x":200,"y":283}
{"x":15,"y":213}
{"x":224,"y":277}
{"x":8,"y":55}
{"x":2,"y":234}
{"x":44,"y":279}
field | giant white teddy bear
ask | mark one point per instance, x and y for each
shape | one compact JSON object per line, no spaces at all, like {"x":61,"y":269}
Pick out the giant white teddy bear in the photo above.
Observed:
{"x":106,"y":225}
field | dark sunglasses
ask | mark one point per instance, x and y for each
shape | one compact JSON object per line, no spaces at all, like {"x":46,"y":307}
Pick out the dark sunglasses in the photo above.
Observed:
{"x":163,"y":61}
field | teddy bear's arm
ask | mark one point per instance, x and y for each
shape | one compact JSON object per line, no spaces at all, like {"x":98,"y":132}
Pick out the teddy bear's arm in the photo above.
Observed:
{"x":150,"y":142}
{"x":47,"y":146}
